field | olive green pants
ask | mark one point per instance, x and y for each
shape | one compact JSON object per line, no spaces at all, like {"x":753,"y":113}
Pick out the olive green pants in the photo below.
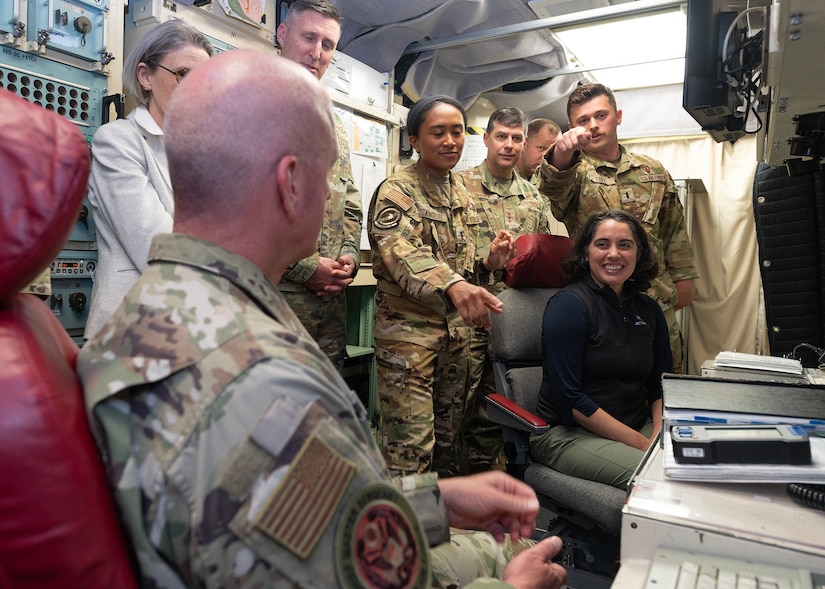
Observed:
{"x":585,"y":455}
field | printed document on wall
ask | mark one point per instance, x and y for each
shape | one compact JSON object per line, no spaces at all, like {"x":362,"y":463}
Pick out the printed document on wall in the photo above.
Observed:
{"x":369,"y":137}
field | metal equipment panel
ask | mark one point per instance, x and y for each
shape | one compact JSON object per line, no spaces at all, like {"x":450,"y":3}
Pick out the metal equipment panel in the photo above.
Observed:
{"x":77,"y":27}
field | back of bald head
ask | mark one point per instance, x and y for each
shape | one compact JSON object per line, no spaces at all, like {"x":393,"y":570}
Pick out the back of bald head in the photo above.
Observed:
{"x":231,"y":120}
{"x":537,"y":125}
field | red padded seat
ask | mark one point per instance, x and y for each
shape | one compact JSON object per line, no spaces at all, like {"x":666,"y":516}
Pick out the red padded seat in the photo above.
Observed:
{"x":58,"y":522}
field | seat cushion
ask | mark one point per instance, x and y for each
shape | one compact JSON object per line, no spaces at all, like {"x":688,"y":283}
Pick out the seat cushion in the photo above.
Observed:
{"x":525,"y":384}
{"x":58,"y":523}
{"x":599,"y":502}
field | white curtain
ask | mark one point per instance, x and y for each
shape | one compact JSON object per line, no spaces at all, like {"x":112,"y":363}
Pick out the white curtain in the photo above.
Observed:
{"x":727,"y":313}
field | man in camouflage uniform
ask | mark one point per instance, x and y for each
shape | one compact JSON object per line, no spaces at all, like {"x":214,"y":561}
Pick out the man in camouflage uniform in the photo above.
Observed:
{"x":504,"y":201}
{"x":315,"y":286}
{"x":541,"y":135}
{"x":588,"y":171}
{"x":420,"y":229}
{"x":238,"y":454}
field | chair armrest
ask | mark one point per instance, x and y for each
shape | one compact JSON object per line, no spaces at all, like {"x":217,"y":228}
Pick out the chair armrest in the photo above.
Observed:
{"x":503,"y":411}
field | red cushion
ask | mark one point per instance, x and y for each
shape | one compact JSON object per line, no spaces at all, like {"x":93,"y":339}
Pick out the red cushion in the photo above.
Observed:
{"x":58,"y":523}
{"x":537,"y":263}
{"x":530,"y":419}
{"x":44,"y":166}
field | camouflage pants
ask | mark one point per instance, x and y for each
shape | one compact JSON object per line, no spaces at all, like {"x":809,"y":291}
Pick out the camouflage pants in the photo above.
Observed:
{"x":325,"y":318}
{"x":423,"y":396}
{"x":469,"y":556}
{"x":481,"y":439}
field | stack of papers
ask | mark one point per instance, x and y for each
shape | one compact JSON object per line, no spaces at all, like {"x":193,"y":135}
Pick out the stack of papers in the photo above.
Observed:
{"x":757,"y":362}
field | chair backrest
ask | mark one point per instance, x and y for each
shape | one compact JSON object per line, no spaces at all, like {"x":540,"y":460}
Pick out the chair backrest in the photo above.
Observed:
{"x":515,"y":342}
{"x":58,"y":522}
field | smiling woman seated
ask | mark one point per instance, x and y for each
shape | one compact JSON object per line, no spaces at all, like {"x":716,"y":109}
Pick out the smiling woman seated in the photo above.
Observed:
{"x":605,"y":347}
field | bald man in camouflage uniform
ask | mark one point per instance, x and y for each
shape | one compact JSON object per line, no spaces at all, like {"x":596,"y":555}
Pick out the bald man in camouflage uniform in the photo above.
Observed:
{"x":541,"y":134}
{"x":504,"y":201}
{"x":587,"y":171}
{"x":315,"y":286}
{"x":239,"y":456}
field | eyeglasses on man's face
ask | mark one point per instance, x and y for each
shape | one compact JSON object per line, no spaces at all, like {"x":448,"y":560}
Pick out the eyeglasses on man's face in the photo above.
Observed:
{"x":179,"y":75}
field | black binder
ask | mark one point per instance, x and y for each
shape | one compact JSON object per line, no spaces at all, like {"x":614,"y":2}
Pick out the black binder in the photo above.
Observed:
{"x":701,"y":400}
{"x":683,"y":394}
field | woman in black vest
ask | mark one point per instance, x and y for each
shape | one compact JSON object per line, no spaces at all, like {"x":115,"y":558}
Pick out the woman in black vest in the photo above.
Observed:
{"x":605,"y":346}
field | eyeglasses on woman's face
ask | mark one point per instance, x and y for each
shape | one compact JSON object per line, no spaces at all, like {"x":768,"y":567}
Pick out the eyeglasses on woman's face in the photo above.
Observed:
{"x":179,"y":75}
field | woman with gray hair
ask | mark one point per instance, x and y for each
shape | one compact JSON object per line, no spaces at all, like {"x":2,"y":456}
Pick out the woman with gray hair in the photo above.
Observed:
{"x":129,"y":187}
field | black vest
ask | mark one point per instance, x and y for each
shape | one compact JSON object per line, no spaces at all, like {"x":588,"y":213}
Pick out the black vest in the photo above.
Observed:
{"x":618,"y":357}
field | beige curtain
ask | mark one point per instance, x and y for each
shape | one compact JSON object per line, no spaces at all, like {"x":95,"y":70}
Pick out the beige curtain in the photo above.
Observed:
{"x":727,"y":313}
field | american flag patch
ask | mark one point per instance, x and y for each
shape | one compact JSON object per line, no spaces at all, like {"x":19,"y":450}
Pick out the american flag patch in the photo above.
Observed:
{"x":298,"y":510}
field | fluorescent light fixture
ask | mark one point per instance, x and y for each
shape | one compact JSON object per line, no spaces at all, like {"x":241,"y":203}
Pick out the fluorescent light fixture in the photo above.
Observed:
{"x":548,"y":8}
{"x":631,"y":53}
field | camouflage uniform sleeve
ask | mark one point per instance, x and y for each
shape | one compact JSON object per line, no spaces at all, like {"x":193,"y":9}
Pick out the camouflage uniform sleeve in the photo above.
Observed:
{"x":422,"y":492}
{"x":484,"y":277}
{"x":353,"y":217}
{"x":545,"y":220}
{"x":221,"y":520}
{"x":466,"y":559}
{"x":559,"y":186}
{"x":483,"y":232}
{"x":678,"y":252}
{"x":395,"y":231}
{"x":41,"y":285}
{"x":472,"y":181}
{"x":352,"y":210}
{"x":301,"y":270}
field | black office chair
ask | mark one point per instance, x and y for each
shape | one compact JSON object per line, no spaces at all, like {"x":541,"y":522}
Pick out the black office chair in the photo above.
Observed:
{"x":588,"y":513}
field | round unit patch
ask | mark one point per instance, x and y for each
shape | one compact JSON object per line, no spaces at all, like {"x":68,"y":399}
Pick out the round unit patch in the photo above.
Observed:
{"x":388,"y":218}
{"x":378,"y":545}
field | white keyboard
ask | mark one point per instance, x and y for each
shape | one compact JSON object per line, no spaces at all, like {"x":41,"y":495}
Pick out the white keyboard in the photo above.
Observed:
{"x":677,"y":569}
